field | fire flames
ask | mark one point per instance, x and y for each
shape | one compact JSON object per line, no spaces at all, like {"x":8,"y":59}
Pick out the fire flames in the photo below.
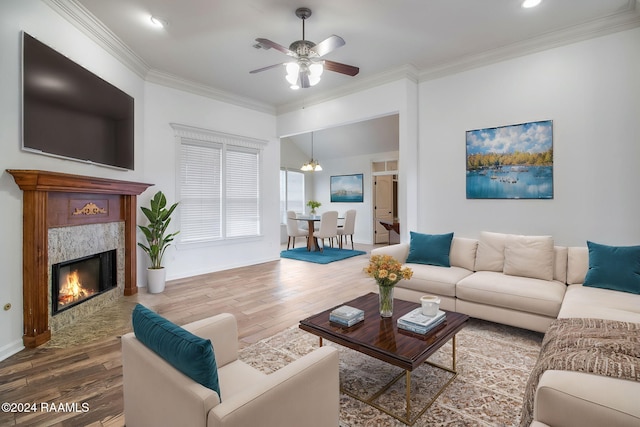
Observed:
{"x":72,"y":291}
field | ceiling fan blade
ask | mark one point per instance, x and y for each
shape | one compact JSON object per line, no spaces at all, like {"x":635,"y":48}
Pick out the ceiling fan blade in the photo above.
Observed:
{"x":337,"y":67}
{"x":265,"y":68}
{"x":329,"y":44}
{"x":266,"y":43}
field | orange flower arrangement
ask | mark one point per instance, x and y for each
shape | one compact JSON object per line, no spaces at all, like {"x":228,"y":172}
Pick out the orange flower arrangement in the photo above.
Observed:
{"x":387,"y":270}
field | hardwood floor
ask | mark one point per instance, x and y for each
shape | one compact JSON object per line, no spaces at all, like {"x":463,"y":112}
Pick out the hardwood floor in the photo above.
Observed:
{"x":265,"y":298}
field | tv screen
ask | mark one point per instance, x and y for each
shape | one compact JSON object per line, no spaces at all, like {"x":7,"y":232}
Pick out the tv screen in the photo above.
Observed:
{"x":69,"y":112}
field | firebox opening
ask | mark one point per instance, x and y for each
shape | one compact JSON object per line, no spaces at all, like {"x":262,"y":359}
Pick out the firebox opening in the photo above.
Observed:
{"x":79,"y":280}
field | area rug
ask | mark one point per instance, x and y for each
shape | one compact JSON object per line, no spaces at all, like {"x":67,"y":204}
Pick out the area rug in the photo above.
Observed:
{"x":493,"y":364}
{"x":325,"y":257}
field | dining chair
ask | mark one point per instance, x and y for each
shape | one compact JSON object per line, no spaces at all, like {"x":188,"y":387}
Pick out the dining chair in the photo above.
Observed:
{"x":348,"y":228}
{"x":292,"y":229}
{"x":328,"y":227}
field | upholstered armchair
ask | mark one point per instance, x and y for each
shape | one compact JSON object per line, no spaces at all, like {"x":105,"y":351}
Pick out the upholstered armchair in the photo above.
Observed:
{"x":305,"y":392}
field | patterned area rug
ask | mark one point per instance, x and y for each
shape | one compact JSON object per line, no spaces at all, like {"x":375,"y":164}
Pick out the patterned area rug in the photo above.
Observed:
{"x":493,"y":364}
{"x":325,"y":257}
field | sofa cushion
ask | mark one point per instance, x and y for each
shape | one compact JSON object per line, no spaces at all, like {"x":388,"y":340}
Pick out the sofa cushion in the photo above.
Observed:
{"x":191,"y":355}
{"x":614,"y":267}
{"x":431,"y":279}
{"x":525,"y":294}
{"x":490,"y":253}
{"x":597,"y":303}
{"x":577,"y":264}
{"x":560,"y":263}
{"x":529,"y":256}
{"x":431,"y":249}
{"x":463,"y":252}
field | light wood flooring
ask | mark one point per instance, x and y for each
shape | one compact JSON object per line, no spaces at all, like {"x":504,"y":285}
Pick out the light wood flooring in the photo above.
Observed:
{"x":265,"y":298}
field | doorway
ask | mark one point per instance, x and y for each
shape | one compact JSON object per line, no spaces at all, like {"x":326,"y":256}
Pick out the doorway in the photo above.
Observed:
{"x":385,"y":201}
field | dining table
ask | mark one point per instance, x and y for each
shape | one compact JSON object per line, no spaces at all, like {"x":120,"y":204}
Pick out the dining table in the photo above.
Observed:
{"x":312,"y":242}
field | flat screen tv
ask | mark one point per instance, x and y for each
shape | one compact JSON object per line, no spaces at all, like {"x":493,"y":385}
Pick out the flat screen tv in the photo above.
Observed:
{"x":69,"y":112}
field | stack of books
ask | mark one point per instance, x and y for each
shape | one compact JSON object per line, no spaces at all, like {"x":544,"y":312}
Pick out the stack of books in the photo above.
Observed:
{"x":346,"y":315}
{"x":417,"y":322}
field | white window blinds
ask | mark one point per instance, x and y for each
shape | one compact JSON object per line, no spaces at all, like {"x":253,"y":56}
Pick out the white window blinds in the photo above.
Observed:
{"x":219,"y":185}
{"x":243,"y":196}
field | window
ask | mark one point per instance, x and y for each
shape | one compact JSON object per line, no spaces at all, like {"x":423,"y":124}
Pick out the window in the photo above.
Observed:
{"x":218,"y":185}
{"x":291,"y":193}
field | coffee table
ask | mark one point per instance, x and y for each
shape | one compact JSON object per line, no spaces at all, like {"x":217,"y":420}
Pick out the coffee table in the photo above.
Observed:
{"x":380,"y":338}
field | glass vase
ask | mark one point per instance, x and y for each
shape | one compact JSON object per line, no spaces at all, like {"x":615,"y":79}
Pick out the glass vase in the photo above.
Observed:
{"x":385,"y":294}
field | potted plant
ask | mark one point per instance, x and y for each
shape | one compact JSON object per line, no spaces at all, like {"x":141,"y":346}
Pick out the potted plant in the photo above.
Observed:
{"x":157,"y":238}
{"x":313,"y":205}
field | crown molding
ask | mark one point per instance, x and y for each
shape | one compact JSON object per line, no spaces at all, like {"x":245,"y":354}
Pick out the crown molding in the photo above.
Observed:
{"x":408,"y":72}
{"x":175,"y":82}
{"x":626,"y":19}
{"x":82,"y":19}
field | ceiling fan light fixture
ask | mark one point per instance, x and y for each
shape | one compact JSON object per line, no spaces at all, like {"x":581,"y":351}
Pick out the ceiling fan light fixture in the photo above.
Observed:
{"x":315,"y":71}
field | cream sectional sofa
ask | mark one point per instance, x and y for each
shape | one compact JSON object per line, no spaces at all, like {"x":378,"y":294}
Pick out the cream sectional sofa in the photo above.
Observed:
{"x":477,"y":284}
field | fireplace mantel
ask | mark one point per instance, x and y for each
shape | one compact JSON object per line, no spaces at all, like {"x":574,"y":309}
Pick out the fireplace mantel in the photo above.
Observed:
{"x":53,"y":199}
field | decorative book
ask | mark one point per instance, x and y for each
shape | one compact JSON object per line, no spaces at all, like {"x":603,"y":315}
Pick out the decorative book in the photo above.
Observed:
{"x":346,"y":315}
{"x":417,"y":322}
{"x":346,"y":322}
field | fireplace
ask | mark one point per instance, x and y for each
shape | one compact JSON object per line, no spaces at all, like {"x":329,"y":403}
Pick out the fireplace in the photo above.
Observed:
{"x":77,"y":281}
{"x":55,"y":207}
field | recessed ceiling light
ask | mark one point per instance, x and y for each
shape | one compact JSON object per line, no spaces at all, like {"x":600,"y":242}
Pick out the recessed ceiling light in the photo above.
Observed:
{"x":158,"y":22}
{"x":530,"y":3}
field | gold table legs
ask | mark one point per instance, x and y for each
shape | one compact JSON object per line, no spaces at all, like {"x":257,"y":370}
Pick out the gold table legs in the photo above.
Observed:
{"x":407,"y":419}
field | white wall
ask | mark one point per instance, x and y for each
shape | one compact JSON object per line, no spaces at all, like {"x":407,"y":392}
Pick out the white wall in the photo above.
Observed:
{"x":591,"y":91}
{"x":164,"y":106}
{"x":42,"y":22}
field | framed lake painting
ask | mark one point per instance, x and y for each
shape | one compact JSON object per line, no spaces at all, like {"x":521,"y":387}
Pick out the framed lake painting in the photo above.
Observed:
{"x":511,"y":162}
{"x":347,"y":188}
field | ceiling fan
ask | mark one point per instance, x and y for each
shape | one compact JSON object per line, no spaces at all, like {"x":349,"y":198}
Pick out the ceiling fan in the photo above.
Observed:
{"x":307,"y":67}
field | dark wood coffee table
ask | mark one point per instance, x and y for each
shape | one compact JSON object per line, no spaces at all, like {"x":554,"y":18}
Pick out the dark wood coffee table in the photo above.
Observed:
{"x":380,"y":338}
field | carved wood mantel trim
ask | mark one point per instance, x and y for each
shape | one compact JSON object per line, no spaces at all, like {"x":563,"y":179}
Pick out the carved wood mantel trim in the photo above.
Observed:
{"x":49,"y":200}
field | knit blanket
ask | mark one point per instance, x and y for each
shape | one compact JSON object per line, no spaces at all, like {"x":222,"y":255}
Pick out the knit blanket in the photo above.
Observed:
{"x":597,"y":346}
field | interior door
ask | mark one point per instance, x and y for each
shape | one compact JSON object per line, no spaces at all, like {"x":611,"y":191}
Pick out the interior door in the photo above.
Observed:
{"x":383,"y":208}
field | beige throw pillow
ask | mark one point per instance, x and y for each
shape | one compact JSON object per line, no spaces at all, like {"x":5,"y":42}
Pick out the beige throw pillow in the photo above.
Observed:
{"x":490,"y":253}
{"x":529,"y":256}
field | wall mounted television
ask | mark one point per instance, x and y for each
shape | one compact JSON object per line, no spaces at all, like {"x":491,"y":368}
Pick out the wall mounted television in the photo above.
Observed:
{"x":71,"y":113}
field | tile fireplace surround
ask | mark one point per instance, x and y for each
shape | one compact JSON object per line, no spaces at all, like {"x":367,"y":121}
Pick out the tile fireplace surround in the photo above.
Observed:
{"x":53,"y":200}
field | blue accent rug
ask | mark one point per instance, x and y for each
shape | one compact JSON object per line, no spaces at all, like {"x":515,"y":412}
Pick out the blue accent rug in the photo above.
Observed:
{"x":325,"y":257}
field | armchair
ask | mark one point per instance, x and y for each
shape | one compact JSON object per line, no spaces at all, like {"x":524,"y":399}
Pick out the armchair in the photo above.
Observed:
{"x":156,"y":394}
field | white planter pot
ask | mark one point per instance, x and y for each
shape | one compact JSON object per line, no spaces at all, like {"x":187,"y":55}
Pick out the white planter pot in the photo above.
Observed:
{"x":156,"y":278}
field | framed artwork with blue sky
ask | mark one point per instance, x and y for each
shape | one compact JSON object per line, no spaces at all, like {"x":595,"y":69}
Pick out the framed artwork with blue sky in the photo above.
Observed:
{"x":347,"y":188}
{"x":510,"y":162}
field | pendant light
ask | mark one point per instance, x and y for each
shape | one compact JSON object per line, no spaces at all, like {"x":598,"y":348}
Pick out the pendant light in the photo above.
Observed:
{"x":312,"y":165}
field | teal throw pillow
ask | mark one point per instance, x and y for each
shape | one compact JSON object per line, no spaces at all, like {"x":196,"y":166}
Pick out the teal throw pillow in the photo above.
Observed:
{"x":188,"y":353}
{"x":432,"y":249}
{"x":614,"y":267}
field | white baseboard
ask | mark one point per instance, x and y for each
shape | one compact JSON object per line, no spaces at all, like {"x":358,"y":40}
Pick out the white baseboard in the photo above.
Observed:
{"x":11,"y":349}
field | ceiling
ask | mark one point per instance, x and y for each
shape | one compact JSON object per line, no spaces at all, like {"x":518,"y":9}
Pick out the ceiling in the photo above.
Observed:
{"x":208,"y":44}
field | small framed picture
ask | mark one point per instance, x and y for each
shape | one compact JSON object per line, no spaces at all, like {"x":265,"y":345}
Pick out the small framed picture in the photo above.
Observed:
{"x":347,"y":188}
